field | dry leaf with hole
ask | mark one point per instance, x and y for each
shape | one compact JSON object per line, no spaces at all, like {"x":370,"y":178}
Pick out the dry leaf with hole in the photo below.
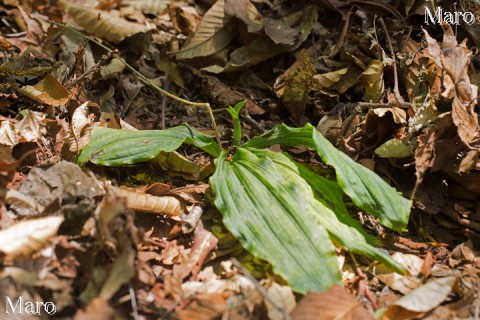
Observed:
{"x":47,"y":91}
{"x":103,"y":24}
{"x":28,"y":236}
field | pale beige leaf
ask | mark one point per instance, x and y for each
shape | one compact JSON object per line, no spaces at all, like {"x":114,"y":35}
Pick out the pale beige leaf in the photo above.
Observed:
{"x":112,"y":68}
{"x":326,"y":80}
{"x":29,"y":129}
{"x":103,"y":24}
{"x":28,"y":236}
{"x":81,"y":125}
{"x":136,"y":200}
{"x":149,"y":6}
{"x":284,"y":300}
{"x":399,"y":115}
{"x":428,"y":296}
{"x":213,"y":34}
{"x":48,"y":91}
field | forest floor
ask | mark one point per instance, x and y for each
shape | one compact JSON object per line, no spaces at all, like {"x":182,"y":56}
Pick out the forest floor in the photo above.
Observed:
{"x":396,"y":94}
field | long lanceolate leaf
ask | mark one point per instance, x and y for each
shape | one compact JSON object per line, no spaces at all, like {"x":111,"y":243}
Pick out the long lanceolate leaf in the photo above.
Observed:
{"x":271,"y":210}
{"x":367,"y":190}
{"x":114,"y":147}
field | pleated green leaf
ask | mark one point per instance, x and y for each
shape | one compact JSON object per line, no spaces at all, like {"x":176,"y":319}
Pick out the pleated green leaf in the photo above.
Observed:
{"x":345,"y":230}
{"x":367,"y":189}
{"x":272,"y":211}
{"x":115,"y":147}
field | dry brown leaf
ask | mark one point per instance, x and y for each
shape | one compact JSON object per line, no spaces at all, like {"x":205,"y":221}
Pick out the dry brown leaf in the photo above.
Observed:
{"x":34,"y":33}
{"x":374,"y":85}
{"x":213,"y":34}
{"x":103,"y":24}
{"x":48,"y":91}
{"x":454,"y":58}
{"x":335,"y":303}
{"x":426,"y":297}
{"x":29,"y":129}
{"x":245,"y":11}
{"x":28,"y":236}
{"x":298,"y":80}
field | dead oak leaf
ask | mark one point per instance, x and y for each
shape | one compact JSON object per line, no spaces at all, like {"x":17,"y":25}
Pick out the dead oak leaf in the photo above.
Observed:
{"x":454,"y":58}
{"x":34,"y":33}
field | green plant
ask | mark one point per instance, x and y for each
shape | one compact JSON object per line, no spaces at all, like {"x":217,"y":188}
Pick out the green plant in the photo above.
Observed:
{"x":278,"y":209}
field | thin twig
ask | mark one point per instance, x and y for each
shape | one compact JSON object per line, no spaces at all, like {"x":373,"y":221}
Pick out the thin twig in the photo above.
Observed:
{"x":396,"y":92}
{"x":144,"y":79}
{"x":95,"y":68}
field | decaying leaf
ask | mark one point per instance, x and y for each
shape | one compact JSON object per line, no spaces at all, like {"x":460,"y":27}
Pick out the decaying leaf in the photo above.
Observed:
{"x":28,"y":236}
{"x":263,"y":48}
{"x":48,"y":91}
{"x":454,"y":58}
{"x":213,"y":34}
{"x":103,"y":24}
{"x":297,"y":85}
{"x":373,"y":77}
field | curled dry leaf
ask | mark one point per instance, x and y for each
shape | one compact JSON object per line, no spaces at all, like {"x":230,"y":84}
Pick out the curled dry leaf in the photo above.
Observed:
{"x":28,"y":236}
{"x":79,"y":133}
{"x":136,"y":200}
{"x":103,"y":24}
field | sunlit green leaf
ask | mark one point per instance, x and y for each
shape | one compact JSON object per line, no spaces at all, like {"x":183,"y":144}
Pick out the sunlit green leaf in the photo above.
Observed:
{"x":114,"y":147}
{"x":271,"y":210}
{"x":367,"y":189}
